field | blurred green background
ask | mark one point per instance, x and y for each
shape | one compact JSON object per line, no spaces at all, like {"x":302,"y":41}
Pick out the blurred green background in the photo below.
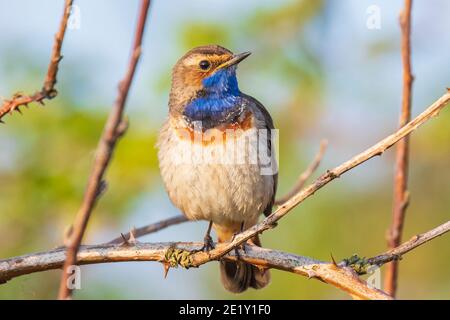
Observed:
{"x":315,"y":65}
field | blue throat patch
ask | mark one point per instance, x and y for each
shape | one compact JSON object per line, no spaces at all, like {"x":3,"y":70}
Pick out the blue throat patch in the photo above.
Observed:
{"x":221,"y":99}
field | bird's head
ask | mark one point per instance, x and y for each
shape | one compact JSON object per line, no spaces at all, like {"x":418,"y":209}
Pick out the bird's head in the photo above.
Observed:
{"x":206,"y":72}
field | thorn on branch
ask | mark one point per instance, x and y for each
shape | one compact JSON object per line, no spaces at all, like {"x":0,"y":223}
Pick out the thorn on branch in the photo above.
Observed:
{"x":122,"y":128}
{"x":415,"y":238}
{"x":129,"y":240}
{"x":166,"y":267}
{"x":132,"y":238}
{"x":332,"y":175}
{"x":272,"y":226}
{"x":332,"y":259}
{"x":125,"y":240}
{"x":405,"y":202}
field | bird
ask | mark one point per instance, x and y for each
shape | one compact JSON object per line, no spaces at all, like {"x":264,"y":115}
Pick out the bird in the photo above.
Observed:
{"x":206,"y":152}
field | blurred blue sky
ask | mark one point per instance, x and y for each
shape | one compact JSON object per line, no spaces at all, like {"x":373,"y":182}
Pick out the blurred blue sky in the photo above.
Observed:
{"x":361,"y":91}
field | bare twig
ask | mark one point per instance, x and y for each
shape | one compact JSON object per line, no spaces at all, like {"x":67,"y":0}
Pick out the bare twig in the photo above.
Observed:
{"x":395,"y":253}
{"x":48,"y":90}
{"x":339,"y":275}
{"x":151,"y":228}
{"x":364,"y":265}
{"x":114,"y":128}
{"x":175,"y":254}
{"x":377,"y":149}
{"x":305,"y":175}
{"x":401,"y":195}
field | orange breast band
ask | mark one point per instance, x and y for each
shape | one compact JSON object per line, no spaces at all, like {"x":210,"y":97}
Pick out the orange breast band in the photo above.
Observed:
{"x":218,"y":134}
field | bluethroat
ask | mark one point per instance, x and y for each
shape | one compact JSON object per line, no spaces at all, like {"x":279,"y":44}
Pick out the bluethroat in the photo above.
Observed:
{"x":215,"y":154}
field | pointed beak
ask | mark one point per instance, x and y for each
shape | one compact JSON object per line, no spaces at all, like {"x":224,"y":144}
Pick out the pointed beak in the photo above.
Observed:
{"x":234,"y":60}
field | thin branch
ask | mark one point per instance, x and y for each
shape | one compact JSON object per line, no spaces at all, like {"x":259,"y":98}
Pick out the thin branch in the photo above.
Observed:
{"x":377,"y":149}
{"x":340,"y":275}
{"x":175,"y":254}
{"x":114,"y":128}
{"x":401,"y":195}
{"x":151,"y":228}
{"x":305,"y":175}
{"x":396,"y":253}
{"x":48,"y":90}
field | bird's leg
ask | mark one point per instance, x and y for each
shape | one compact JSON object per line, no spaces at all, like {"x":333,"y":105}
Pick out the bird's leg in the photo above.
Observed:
{"x":208,"y":243}
{"x":242,"y":245}
{"x":245,"y":242}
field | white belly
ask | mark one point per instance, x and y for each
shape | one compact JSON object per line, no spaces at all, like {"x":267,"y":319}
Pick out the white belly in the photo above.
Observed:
{"x":209,"y":187}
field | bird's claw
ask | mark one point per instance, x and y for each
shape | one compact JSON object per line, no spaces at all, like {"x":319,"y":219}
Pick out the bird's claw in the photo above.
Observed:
{"x":242,"y":246}
{"x":208,"y":243}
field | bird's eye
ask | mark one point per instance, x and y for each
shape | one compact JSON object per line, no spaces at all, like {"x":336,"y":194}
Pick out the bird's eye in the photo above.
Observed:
{"x":204,"y":64}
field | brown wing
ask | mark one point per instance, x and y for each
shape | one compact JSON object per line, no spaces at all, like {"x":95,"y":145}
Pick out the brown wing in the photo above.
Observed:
{"x":269,"y":125}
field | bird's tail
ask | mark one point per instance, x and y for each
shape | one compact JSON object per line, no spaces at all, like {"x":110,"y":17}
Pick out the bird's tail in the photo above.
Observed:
{"x":239,"y":276}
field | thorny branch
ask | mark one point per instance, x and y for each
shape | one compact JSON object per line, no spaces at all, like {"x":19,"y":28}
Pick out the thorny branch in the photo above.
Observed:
{"x":179,"y":254}
{"x":114,"y":128}
{"x":401,"y":195}
{"x":342,"y":275}
{"x":396,"y":253}
{"x":48,"y":90}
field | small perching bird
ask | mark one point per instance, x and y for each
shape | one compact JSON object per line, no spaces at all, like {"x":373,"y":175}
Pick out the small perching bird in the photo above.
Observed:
{"x":216,"y":154}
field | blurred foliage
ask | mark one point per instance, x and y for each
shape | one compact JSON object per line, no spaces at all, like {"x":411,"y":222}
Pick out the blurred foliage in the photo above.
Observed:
{"x":197,"y":34}
{"x":44,"y":161}
{"x":50,"y":153}
{"x":47,"y":155}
